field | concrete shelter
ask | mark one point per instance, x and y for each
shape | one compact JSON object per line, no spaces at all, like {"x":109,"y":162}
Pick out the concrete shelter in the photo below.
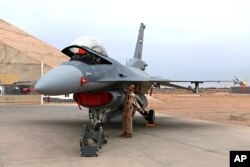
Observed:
{"x":22,"y":55}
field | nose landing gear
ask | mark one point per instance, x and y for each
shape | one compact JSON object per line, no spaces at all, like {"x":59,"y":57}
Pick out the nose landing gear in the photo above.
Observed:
{"x":96,"y":117}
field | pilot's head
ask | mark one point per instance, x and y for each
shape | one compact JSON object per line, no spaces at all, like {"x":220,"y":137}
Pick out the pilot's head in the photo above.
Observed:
{"x":131,"y":87}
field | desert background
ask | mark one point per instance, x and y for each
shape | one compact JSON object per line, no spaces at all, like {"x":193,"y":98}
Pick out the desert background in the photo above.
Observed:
{"x":213,"y":105}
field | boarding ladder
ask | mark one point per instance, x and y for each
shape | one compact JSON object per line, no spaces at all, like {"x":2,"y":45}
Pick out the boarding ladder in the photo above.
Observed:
{"x":91,"y":140}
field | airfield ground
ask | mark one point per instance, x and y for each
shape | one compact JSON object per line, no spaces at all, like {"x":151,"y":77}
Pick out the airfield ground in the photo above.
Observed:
{"x":48,"y":135}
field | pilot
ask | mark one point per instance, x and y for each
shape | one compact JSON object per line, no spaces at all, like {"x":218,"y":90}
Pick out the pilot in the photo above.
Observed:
{"x":129,"y":103}
{"x":96,"y":60}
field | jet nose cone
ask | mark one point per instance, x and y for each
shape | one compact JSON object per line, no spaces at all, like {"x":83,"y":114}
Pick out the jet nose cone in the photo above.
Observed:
{"x":61,"y":80}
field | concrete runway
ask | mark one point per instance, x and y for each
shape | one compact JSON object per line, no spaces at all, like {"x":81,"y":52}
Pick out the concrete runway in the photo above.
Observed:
{"x":49,"y":136}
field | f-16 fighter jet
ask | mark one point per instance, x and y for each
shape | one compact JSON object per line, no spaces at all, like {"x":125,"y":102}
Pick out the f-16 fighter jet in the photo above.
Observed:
{"x":97,"y":81}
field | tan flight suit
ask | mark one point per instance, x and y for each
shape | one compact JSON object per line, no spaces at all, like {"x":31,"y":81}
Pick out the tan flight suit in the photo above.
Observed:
{"x":127,"y":112}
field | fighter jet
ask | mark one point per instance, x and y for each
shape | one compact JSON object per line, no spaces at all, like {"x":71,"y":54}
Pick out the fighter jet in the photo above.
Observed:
{"x":97,"y":80}
{"x":242,"y":84}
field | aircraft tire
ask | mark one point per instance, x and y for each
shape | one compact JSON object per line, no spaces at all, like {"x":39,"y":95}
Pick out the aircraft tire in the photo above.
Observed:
{"x":104,"y":140}
{"x":97,"y":126}
{"x":151,"y":116}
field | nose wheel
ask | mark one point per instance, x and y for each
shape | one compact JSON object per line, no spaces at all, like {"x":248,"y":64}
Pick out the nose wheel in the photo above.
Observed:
{"x":96,"y":117}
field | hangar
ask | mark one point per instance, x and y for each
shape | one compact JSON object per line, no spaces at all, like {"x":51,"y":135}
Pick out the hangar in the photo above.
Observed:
{"x":23,"y":57}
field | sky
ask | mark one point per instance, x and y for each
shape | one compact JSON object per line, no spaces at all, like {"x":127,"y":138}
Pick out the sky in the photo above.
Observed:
{"x":183,"y":40}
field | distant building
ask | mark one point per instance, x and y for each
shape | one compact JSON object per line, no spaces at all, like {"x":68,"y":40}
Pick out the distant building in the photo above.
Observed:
{"x":22,"y":55}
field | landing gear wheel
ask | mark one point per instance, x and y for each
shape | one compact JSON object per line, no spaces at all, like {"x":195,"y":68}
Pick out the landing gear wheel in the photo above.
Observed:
{"x":151,"y":117}
{"x":104,"y":139}
{"x":97,"y":126}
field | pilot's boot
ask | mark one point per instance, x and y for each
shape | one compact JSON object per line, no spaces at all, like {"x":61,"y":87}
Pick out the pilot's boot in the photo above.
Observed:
{"x":123,"y":134}
{"x":127,"y":135}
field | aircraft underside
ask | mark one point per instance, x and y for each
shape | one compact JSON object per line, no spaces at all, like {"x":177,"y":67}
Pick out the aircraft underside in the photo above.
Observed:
{"x":107,"y":105}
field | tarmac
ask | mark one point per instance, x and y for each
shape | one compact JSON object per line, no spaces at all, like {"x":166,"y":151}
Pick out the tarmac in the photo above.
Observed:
{"x":48,"y":135}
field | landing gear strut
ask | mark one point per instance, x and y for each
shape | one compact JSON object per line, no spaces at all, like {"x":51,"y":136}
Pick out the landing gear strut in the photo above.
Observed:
{"x":96,"y":117}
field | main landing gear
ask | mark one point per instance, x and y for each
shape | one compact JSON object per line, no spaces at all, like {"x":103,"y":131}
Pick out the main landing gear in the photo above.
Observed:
{"x":147,"y":115}
{"x":151,"y":117}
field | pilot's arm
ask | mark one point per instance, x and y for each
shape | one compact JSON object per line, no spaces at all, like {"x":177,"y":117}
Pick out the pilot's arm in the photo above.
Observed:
{"x":125,"y":91}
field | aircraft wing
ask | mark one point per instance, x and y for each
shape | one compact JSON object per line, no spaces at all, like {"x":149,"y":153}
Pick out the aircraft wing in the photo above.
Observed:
{"x":196,"y":82}
{"x":158,"y":81}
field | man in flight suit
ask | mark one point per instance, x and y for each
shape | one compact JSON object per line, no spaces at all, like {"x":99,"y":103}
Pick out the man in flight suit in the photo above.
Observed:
{"x":129,"y":103}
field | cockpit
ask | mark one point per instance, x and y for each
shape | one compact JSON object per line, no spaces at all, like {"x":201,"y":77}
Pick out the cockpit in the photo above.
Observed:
{"x":84,"y":55}
{"x":88,"y":50}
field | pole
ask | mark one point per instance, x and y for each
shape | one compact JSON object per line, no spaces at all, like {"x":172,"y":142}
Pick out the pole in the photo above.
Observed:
{"x":41,"y":76}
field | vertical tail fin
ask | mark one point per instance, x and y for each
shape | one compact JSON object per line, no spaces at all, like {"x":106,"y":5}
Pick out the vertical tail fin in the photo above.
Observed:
{"x":136,"y":61}
{"x":139,"y":44}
